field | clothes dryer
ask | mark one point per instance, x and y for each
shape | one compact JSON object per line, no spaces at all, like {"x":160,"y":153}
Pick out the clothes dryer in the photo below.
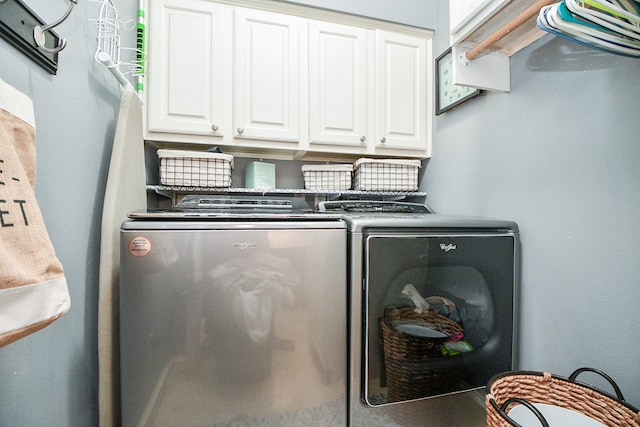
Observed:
{"x":427,"y":369}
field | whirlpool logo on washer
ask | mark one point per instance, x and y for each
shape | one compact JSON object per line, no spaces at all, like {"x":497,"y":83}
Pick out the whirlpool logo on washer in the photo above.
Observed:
{"x":243,"y":246}
{"x":448,"y":247}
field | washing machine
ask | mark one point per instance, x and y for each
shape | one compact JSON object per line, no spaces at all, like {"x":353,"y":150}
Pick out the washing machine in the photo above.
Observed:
{"x":433,"y":312}
{"x":233,"y":313}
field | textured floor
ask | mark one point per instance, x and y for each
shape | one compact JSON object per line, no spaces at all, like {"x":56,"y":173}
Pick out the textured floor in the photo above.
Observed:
{"x":195,"y":394}
{"x":295,"y":392}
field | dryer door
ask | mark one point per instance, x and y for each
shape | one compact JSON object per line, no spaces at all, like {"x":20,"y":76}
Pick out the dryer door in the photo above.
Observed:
{"x":465,"y":284}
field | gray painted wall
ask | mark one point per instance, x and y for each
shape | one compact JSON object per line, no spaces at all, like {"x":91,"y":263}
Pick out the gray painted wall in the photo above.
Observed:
{"x":50,"y":378}
{"x":573,"y":191}
{"x":560,"y":155}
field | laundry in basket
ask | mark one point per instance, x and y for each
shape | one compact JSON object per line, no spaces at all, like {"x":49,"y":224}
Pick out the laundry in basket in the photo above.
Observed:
{"x":411,"y":339}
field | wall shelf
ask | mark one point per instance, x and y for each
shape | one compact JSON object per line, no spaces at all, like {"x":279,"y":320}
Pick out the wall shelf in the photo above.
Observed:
{"x":169,"y":191}
{"x":484,"y":39}
{"x":311,"y":197}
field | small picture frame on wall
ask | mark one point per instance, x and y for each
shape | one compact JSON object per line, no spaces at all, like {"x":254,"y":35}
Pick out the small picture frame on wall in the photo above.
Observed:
{"x":449,"y":95}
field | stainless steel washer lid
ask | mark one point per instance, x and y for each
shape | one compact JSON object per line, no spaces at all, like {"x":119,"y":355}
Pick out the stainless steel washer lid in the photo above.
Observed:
{"x":231,"y":215}
{"x":235,"y":208}
{"x":228,"y":202}
{"x":373,"y":206}
{"x":366,"y":214}
{"x":376,"y":214}
{"x":432,"y":222}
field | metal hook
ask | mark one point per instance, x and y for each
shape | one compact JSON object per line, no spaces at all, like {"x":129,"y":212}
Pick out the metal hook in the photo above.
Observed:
{"x":39,"y":32}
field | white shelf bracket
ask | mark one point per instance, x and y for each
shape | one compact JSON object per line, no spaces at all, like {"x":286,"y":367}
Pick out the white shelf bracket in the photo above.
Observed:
{"x":488,"y":72}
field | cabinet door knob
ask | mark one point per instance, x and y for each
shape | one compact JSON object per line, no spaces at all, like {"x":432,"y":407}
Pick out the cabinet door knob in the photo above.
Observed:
{"x":214,"y":128}
{"x":240,"y":131}
{"x":383,"y":140}
{"x":363,"y":138}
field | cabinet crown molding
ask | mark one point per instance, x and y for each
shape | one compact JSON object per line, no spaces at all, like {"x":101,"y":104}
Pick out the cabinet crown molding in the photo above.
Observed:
{"x":339,"y":17}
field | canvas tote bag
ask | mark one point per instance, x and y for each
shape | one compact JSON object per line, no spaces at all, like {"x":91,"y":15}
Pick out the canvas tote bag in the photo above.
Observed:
{"x":33,"y":288}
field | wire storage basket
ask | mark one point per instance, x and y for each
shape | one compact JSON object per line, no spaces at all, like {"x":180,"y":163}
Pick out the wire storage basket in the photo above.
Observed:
{"x":327,"y":177}
{"x":386,"y":174}
{"x":195,"y":168}
{"x":529,"y":388}
{"x":407,"y":356}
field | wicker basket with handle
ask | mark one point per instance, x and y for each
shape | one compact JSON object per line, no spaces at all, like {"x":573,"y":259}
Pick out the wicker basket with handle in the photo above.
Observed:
{"x":526,"y":387}
{"x":410,"y":375}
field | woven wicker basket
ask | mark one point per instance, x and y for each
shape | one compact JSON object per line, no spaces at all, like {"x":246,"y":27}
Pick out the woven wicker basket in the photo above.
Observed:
{"x":537,"y":387}
{"x":406,"y":357}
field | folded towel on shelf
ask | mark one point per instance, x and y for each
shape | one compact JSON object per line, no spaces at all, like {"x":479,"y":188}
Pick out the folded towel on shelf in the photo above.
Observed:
{"x":33,"y":288}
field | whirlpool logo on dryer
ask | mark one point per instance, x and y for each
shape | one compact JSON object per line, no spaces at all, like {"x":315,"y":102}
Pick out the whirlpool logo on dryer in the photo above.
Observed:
{"x":243,"y":246}
{"x":448,"y":247}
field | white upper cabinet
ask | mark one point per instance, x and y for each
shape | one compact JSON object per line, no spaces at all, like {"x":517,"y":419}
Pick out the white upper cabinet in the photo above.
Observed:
{"x":278,"y":80}
{"x":267,"y":75}
{"x":340,"y":85}
{"x":401,"y":92}
{"x":368,"y":90}
{"x":186,"y":71}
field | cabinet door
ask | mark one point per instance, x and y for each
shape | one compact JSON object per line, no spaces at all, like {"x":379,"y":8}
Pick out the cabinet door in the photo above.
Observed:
{"x":267,"y":76}
{"x":401,"y":92}
{"x":340,"y":84}
{"x":185,"y":87}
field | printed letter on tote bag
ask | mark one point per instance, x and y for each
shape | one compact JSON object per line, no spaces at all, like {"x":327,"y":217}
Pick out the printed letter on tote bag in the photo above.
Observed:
{"x":33,"y":288}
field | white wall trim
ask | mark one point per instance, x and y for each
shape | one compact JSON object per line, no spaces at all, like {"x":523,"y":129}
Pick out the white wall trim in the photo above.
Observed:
{"x":346,"y":18}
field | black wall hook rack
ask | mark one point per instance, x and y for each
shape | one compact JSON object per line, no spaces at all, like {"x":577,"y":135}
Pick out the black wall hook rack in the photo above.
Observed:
{"x":17,"y":23}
